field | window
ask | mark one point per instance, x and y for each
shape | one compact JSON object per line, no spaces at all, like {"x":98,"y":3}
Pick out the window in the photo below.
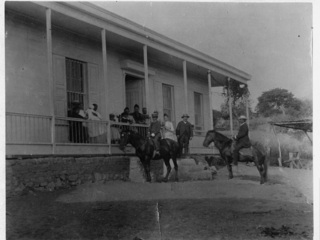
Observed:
{"x":168,"y":104}
{"x":76,"y":77}
{"x":198,"y":112}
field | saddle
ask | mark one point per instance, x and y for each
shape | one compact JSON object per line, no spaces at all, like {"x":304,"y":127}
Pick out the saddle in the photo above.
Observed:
{"x":244,"y":152}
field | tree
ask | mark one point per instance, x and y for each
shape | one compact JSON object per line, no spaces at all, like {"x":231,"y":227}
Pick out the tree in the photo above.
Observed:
{"x":238,"y":94}
{"x":277,"y":101}
{"x":238,"y":108}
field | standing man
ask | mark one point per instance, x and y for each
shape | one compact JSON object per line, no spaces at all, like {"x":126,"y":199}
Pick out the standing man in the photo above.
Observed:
{"x":184,"y":134}
{"x":154,"y":132}
{"x":242,"y":140}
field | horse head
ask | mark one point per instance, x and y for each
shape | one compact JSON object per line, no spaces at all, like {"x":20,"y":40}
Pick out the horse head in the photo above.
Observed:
{"x":210,"y":136}
{"x":124,"y":138}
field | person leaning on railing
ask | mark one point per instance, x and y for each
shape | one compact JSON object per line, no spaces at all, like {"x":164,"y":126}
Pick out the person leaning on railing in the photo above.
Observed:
{"x":97,"y":131}
{"x":78,"y":132}
{"x":115,"y":133}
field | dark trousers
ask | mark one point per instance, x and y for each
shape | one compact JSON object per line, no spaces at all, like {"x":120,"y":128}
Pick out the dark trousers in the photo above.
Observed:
{"x":183,"y":143}
{"x":156,"y":141}
{"x":236,"y":150}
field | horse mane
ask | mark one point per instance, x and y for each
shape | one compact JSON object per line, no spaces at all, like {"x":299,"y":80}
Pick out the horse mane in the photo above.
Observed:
{"x":221,"y":138}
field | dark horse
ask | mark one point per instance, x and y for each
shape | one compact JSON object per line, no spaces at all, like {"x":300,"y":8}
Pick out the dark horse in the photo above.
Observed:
{"x":225,"y":146}
{"x":145,"y":148}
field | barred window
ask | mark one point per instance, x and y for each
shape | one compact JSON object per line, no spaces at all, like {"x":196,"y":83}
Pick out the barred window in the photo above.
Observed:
{"x":76,"y":76}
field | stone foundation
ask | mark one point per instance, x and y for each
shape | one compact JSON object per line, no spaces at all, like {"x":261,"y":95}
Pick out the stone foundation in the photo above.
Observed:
{"x":50,"y":173}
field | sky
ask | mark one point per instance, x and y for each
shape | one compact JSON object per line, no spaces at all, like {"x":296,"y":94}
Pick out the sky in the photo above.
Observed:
{"x":270,"y":41}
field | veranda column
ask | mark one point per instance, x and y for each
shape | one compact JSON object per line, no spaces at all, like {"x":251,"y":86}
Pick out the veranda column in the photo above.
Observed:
{"x":247,"y":110}
{"x":230,"y":107}
{"x":106,"y":85}
{"x":210,"y":100}
{"x":185,"y":86}
{"x":146,"y":77}
{"x":50,"y":78}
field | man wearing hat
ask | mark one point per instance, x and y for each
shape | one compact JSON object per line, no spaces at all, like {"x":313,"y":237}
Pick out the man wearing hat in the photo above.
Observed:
{"x":184,"y":134}
{"x":242,"y":139}
{"x":154,"y":132}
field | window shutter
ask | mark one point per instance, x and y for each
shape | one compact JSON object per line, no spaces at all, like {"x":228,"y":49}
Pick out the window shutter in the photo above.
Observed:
{"x":60,"y":92}
{"x":94,"y":84}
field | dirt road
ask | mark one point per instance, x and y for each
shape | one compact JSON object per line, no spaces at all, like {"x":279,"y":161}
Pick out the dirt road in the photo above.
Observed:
{"x":240,"y":208}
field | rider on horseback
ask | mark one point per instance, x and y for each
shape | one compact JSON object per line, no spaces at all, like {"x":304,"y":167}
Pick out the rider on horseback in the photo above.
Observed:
{"x":154,"y":132}
{"x":241,"y":140}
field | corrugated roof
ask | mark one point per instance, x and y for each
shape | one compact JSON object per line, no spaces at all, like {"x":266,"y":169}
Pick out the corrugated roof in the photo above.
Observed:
{"x":304,"y":125}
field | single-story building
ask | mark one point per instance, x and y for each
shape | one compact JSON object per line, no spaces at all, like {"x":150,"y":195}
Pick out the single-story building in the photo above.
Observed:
{"x":59,"y":53}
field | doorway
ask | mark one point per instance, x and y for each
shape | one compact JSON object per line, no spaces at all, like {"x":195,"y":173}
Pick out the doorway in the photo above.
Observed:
{"x":134,"y":91}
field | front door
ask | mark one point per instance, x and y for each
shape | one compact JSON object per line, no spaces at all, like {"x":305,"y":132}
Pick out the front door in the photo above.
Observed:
{"x":134,"y":92}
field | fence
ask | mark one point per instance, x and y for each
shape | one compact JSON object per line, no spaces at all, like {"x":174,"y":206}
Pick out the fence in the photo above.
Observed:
{"x":37,"y":129}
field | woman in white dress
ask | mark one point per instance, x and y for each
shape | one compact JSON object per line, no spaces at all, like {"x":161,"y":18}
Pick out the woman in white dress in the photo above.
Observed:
{"x":97,"y":131}
{"x":168,"y":129}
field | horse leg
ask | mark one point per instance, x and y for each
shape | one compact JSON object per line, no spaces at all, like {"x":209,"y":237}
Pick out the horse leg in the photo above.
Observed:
{"x":146,"y":165}
{"x":260,"y":169}
{"x":174,"y":159}
{"x":167,"y":162}
{"x":228,"y":162}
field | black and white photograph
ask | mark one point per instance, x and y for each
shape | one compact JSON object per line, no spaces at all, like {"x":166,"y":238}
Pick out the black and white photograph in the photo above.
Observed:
{"x":153,"y":120}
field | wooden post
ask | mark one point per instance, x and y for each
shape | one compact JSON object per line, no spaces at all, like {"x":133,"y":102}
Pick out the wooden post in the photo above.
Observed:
{"x":247,"y":113}
{"x":105,"y":80}
{"x":230,"y":108}
{"x":146,"y":77}
{"x":185,"y":86}
{"x":50,"y":78}
{"x":279,"y":147}
{"x":210,"y":100}
{"x":308,"y":137}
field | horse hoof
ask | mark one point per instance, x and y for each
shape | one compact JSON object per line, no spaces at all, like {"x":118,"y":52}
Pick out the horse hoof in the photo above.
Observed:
{"x":165,"y":180}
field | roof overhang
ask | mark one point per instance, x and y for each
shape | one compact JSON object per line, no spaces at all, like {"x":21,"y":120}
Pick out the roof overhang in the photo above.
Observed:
{"x":88,"y":19}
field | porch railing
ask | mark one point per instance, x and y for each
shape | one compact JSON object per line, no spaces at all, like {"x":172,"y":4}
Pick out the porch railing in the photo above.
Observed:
{"x":27,"y":128}
{"x":36,"y":129}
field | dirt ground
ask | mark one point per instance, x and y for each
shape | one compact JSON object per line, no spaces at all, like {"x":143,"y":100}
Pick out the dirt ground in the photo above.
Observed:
{"x":240,"y":208}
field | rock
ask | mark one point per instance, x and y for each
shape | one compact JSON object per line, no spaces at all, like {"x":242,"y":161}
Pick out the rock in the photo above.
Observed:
{"x":97,"y":176}
{"x":51,"y":186}
{"x":58,"y":183}
{"x":43,"y":184}
{"x":29,"y":184}
{"x":73,"y":178}
{"x":74,"y":183}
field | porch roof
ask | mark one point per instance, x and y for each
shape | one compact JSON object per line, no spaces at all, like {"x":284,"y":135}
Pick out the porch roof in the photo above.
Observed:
{"x":88,"y":19}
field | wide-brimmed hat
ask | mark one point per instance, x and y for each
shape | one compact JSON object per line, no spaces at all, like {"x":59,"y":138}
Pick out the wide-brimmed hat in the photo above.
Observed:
{"x":242,"y":117}
{"x":185,"y":115}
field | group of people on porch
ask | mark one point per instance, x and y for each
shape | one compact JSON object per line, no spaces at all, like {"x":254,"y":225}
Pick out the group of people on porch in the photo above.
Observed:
{"x":91,"y":132}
